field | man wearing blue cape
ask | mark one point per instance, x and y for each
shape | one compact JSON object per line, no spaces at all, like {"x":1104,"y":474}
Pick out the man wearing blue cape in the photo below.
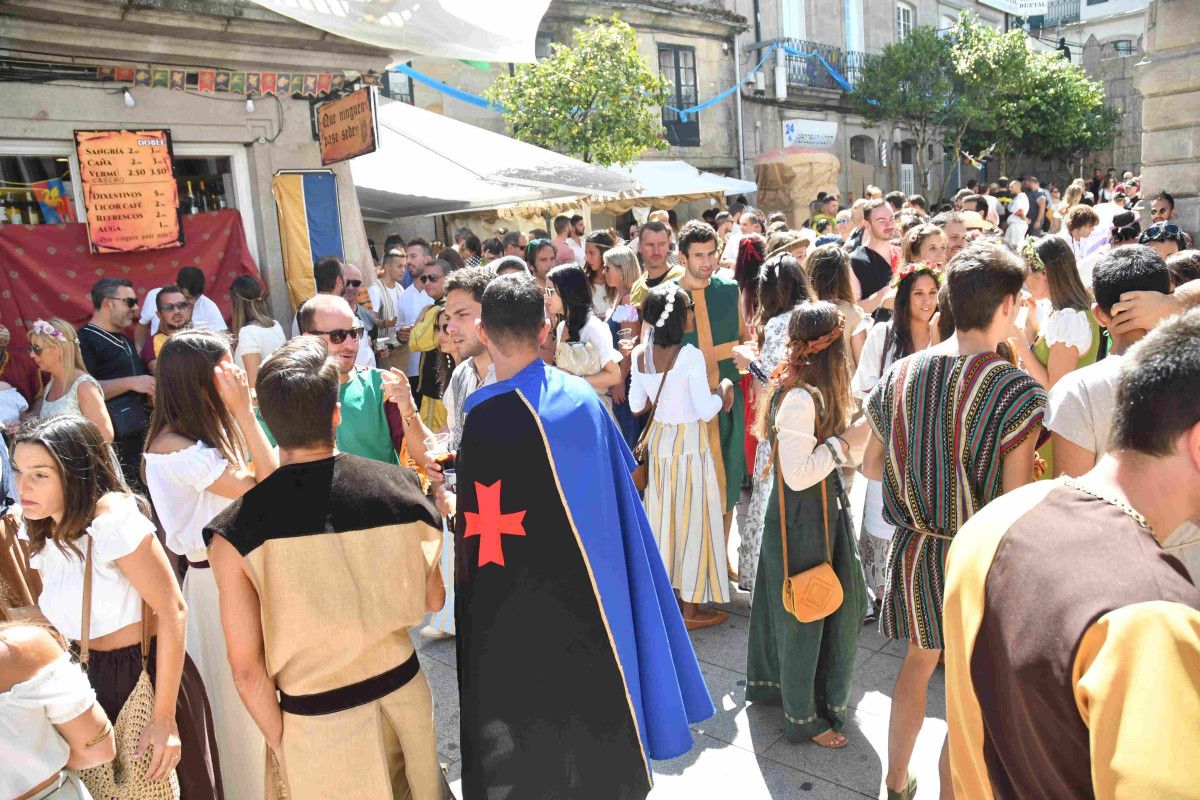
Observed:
{"x":574,"y":666}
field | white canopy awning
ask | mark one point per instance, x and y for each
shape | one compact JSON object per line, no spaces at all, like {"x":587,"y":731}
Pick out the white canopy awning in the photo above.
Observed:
{"x":430,"y":164}
{"x":466,"y":29}
{"x":679,"y":179}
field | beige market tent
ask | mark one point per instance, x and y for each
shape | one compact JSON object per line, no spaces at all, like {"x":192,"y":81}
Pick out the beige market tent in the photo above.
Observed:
{"x":791,"y":178}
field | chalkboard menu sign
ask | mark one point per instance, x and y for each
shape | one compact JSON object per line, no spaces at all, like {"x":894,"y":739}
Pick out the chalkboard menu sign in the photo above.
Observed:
{"x":129,"y":190}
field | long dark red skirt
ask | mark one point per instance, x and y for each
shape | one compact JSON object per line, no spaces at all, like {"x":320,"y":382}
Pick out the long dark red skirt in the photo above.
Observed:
{"x":113,"y":674}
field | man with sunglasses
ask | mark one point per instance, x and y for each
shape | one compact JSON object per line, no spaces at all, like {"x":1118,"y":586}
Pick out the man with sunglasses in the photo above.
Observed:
{"x":1162,"y":208}
{"x":369,"y":427}
{"x":423,"y":339}
{"x":204,"y":312}
{"x":174,"y":314}
{"x":112,"y":359}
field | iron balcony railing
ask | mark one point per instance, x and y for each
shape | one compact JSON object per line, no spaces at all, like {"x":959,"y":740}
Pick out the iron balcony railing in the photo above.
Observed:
{"x":1058,"y":12}
{"x":802,"y":71}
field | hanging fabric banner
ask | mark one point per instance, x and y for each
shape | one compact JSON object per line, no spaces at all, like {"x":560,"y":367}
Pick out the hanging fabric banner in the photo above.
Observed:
{"x":310,"y":225}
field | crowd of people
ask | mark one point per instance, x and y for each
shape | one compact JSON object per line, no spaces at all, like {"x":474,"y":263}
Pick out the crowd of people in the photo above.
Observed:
{"x":539,"y":444}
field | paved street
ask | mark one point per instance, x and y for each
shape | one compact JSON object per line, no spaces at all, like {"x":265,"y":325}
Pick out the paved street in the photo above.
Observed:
{"x":740,"y":751}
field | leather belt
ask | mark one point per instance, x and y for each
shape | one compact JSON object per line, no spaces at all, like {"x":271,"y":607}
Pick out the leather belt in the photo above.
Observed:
{"x":353,"y":695}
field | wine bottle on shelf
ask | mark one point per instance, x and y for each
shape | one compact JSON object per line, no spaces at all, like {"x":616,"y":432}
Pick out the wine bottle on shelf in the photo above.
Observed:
{"x":221,"y":202}
{"x":14,"y":212}
{"x":202,"y":198}
{"x":3,"y":209}
{"x":190,"y":206}
{"x":35,"y":211}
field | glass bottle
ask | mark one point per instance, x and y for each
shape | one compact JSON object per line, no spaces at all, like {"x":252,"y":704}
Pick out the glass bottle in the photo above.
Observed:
{"x":189,"y":203}
{"x":35,"y":211}
{"x":203,"y":198}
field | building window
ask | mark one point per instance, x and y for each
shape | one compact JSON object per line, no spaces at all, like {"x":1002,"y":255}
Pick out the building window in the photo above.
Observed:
{"x":862,"y":149}
{"x":946,"y":25}
{"x":36,"y":189}
{"x":904,"y":21}
{"x":1123,"y":47}
{"x":205,"y":183}
{"x":678,"y":65}
{"x":792,"y":13}
{"x":398,"y":86}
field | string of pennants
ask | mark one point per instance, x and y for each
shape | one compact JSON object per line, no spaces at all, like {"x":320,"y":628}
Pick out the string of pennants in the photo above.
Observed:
{"x":311,"y":84}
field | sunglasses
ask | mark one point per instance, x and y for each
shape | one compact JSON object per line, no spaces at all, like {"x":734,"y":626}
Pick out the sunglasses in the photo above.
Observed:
{"x":176,"y":306}
{"x":354,"y":284}
{"x":1158,"y":211}
{"x":1162,"y":231}
{"x":130,"y":302}
{"x":430,"y":278}
{"x":34,"y":350}
{"x":443,"y":328}
{"x":339,"y":335}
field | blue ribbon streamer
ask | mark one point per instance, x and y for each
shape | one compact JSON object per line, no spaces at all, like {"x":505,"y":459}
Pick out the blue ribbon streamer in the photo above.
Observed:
{"x":833,"y":73}
{"x":684,"y":113}
{"x":447,"y":89}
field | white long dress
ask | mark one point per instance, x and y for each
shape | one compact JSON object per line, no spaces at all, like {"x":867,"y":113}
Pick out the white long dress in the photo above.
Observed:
{"x":1014,"y":234}
{"x":178,"y":484}
{"x":684,"y":511}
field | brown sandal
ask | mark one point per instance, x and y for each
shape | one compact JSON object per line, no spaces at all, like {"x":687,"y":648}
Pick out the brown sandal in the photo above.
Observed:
{"x":829,"y":739}
{"x":693,"y":624}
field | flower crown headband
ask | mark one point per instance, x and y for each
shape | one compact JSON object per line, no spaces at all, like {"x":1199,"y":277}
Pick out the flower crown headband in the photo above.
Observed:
{"x":667,"y":309}
{"x":915,"y":268}
{"x":1030,"y":254}
{"x":811,"y":348}
{"x":43,"y":328}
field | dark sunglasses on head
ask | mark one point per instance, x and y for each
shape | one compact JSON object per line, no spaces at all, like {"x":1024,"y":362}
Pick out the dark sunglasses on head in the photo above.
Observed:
{"x":539,"y":242}
{"x":131,"y":302}
{"x":1162,"y":231}
{"x":338,"y":335}
{"x":354,"y":284}
{"x":176,"y":306}
{"x":429,"y":278}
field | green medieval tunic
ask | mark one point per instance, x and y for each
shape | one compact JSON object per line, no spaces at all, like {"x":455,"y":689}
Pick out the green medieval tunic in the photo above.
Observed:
{"x":806,"y":667}
{"x":719,"y":327}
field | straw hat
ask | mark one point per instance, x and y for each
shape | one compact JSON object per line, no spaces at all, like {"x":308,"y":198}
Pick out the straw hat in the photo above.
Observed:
{"x":973,"y":219}
{"x":786,"y":240}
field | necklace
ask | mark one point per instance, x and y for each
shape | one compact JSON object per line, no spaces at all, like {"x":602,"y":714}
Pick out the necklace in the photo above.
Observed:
{"x":1133,"y":514}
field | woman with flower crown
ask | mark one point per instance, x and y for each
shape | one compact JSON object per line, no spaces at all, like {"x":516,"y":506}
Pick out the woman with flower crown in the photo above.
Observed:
{"x":907,"y":332}
{"x":682,"y":505}
{"x":805,"y":417}
{"x":70,"y":389}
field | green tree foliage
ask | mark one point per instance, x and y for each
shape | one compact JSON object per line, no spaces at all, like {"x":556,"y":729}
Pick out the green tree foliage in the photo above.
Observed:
{"x":911,"y":83}
{"x":976,"y":87}
{"x":1052,"y":111}
{"x":596,"y":99}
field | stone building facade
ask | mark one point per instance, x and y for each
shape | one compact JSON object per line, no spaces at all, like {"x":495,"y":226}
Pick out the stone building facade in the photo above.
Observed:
{"x":1170,"y":86}
{"x":845,"y":32}
{"x":693,"y":41}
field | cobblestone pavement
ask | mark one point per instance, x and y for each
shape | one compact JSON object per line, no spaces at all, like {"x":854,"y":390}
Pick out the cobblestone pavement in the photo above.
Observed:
{"x":740,"y":751}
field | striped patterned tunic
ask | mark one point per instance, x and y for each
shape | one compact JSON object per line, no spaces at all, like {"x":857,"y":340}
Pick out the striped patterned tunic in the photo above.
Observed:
{"x":946,"y":423}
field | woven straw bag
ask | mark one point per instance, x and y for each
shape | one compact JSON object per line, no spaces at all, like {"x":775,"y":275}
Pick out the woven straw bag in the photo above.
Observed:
{"x":124,"y":778}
